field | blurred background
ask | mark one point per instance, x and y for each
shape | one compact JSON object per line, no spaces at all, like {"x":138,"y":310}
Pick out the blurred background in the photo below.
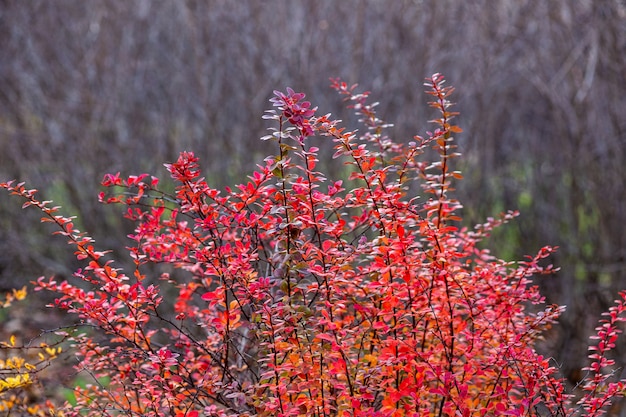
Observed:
{"x":88,"y":88}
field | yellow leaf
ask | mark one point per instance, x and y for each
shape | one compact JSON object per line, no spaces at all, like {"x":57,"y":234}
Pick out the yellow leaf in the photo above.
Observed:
{"x":15,"y":362}
{"x":17,"y":381}
{"x":371,"y":359}
{"x":20,"y":294}
{"x":52,"y":351}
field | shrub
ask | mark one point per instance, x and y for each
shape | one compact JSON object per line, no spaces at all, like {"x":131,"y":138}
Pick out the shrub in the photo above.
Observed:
{"x":20,"y":366}
{"x":310,"y":296}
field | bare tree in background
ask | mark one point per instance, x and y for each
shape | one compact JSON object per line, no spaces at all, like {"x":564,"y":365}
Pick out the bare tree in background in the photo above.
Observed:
{"x":90,"y":88}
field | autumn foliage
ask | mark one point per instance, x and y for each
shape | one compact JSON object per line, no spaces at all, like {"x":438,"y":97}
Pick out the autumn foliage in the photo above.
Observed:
{"x":302,"y":295}
{"x":20,"y":366}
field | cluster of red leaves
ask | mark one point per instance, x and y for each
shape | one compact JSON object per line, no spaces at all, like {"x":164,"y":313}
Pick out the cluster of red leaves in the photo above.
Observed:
{"x":314,"y":297}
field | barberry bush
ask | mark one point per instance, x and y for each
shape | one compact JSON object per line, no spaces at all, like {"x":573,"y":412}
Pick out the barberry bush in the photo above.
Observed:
{"x":302,"y":295}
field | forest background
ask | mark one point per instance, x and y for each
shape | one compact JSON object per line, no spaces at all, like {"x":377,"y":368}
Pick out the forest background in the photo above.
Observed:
{"x":88,"y":88}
